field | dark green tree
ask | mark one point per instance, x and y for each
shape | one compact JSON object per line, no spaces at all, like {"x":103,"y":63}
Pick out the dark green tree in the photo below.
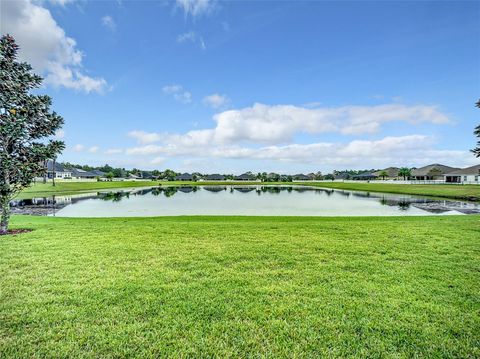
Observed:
{"x":26,"y":125}
{"x":404,"y":172}
{"x":476,"y":150}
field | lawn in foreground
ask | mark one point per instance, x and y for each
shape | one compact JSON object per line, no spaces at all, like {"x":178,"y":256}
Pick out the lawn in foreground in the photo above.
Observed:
{"x":241,"y":286}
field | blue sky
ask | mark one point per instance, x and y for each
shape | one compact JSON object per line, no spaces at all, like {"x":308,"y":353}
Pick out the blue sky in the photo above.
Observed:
{"x":284,"y":86}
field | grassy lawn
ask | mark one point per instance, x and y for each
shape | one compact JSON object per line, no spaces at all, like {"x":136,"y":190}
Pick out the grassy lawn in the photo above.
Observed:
{"x":241,"y":287}
{"x":470,"y":192}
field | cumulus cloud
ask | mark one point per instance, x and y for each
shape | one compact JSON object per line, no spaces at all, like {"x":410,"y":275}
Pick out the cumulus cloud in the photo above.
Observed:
{"x":178,"y":93}
{"x":93,"y":149}
{"x":196,"y":8}
{"x":412,"y":150}
{"x":216,"y":101}
{"x":78,"y":148}
{"x":109,"y":23}
{"x":158,"y":161}
{"x":264,"y":124}
{"x":145,"y":137}
{"x":45,"y":45}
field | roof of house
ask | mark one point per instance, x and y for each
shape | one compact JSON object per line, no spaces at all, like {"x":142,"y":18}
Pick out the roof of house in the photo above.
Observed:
{"x":342,"y":175}
{"x":301,"y":176}
{"x":215,"y":177}
{"x":98,"y":173}
{"x":365,"y":175}
{"x":473,"y":170}
{"x":58,"y":167}
{"x":245,"y":176}
{"x":426,"y":170}
{"x":146,"y":174}
{"x":391,"y":171}
{"x":78,"y":172}
{"x":184,"y":176}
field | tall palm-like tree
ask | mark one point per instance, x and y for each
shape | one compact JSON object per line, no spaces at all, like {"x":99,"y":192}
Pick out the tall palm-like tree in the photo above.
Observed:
{"x":404,"y":172}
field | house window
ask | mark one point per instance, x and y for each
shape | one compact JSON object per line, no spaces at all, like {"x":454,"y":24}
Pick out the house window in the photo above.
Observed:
{"x":476,"y":178}
{"x":464,"y":178}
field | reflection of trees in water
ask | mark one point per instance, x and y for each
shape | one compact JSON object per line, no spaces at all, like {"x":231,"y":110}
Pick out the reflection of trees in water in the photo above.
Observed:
{"x":169,"y":191}
{"x":402,"y":203}
{"x":114,"y":196}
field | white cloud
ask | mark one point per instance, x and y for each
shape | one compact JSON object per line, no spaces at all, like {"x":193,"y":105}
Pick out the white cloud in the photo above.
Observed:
{"x":192,"y":36}
{"x":412,"y":150}
{"x":178,"y":93}
{"x":196,"y":8}
{"x":93,"y":149}
{"x":145,"y":137}
{"x":44,"y":44}
{"x":78,"y":148}
{"x":109,"y":23}
{"x":113,"y":151}
{"x":59,"y":134}
{"x":157,"y":161}
{"x":264,"y":124}
{"x":216,"y":100}
{"x":61,"y":2}
{"x":187,"y":36}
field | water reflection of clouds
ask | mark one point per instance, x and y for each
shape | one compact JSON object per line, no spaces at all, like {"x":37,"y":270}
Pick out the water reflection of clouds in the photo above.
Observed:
{"x":404,"y":203}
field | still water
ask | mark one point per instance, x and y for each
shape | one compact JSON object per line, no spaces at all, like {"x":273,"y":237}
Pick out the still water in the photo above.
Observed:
{"x":239,"y":200}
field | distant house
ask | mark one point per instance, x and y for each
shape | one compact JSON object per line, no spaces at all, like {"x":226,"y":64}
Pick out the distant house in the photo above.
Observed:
{"x":301,"y":177}
{"x":245,"y":177}
{"x":79,"y":174}
{"x":215,"y":177}
{"x":98,"y":173}
{"x":340,"y":176}
{"x":146,"y":175}
{"x":134,"y":176}
{"x":58,"y":171}
{"x":184,"y":177}
{"x":432,"y":172}
{"x":365,"y":176}
{"x":392,"y":173}
{"x":464,"y":175}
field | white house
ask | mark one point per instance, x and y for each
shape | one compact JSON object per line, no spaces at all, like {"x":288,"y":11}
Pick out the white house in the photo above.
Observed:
{"x":464,"y":175}
{"x":57,"y":171}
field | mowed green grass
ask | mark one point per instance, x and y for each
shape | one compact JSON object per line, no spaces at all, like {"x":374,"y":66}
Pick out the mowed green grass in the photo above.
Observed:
{"x":470,"y":192}
{"x":241,"y":287}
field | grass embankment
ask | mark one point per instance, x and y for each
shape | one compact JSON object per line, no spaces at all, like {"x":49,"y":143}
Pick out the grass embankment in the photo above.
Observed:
{"x":240,"y":287}
{"x":465,"y":192}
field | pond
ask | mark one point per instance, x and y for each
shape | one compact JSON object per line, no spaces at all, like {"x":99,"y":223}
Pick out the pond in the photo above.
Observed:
{"x":239,"y":200}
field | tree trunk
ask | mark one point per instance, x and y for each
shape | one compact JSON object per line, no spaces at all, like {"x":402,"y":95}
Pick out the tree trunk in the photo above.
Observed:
{"x":53,"y":177}
{"x":5,"y":214}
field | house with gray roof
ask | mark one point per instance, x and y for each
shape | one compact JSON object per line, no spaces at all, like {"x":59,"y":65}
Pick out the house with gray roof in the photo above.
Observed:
{"x":58,"y":171}
{"x":464,"y":175}
{"x":245,"y":177}
{"x":215,"y":177}
{"x":301,"y":177}
{"x":79,"y":174}
{"x":433,"y":172}
{"x":365,"y":176}
{"x":392,"y":173}
{"x":184,"y":177}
